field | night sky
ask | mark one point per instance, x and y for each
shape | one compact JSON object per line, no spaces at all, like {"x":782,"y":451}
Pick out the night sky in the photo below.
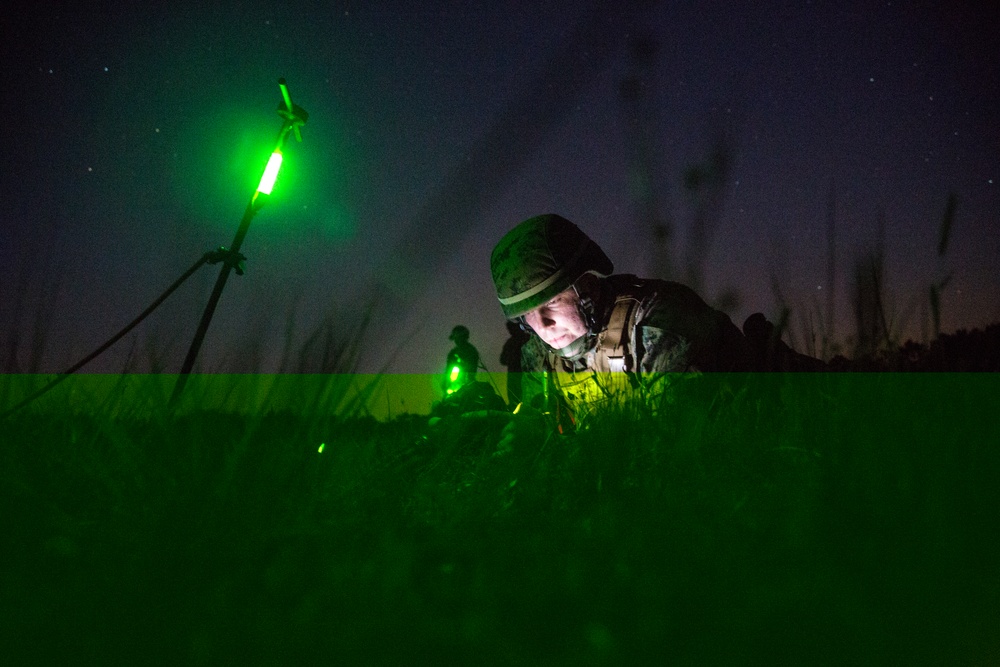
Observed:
{"x":134,"y":138}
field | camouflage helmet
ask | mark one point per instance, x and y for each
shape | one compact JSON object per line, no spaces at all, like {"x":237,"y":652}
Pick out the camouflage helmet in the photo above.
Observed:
{"x":540,"y":258}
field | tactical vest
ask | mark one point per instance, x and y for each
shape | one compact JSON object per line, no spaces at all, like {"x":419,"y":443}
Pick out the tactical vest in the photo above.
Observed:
{"x":604,"y":373}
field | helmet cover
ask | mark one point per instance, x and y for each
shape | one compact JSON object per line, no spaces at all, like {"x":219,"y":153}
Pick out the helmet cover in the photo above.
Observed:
{"x":540,"y":258}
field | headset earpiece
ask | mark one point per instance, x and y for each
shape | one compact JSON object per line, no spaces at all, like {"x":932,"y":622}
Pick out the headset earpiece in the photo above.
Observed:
{"x":585,"y":305}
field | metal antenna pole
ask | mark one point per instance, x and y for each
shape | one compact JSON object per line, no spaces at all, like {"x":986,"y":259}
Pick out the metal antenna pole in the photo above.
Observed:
{"x":294,"y":117}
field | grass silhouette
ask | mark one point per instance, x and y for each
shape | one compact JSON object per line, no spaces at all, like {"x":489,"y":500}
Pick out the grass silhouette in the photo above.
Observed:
{"x":798,"y":518}
{"x":835,"y":517}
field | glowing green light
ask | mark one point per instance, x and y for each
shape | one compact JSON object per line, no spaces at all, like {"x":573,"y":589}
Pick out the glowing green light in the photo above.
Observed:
{"x":322,"y":446}
{"x":453,"y":376}
{"x":270,"y":173}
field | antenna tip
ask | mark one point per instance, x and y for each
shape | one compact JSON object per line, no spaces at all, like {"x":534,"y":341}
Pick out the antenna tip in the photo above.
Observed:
{"x":281,"y":81}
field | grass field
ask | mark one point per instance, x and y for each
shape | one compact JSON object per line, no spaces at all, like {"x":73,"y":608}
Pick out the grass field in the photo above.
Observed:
{"x":836,"y":518}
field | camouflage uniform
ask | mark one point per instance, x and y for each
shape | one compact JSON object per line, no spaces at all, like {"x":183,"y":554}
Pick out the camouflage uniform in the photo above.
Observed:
{"x":639,"y":331}
{"x":650,"y":328}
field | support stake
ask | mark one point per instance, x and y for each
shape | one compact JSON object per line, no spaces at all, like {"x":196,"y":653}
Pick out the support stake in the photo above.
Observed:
{"x":294,"y":117}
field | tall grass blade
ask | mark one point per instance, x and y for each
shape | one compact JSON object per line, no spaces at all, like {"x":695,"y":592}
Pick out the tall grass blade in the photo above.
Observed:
{"x":946,"y":222}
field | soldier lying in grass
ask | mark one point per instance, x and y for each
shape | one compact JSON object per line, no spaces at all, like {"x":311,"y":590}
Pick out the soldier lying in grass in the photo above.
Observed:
{"x":598,"y":336}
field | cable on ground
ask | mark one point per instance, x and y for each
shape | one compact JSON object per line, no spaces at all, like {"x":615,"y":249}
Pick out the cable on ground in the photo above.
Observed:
{"x":221,"y":254}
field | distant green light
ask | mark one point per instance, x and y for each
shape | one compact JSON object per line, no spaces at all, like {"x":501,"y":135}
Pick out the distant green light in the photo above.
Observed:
{"x":453,"y":376}
{"x":270,"y":173}
{"x":322,"y":446}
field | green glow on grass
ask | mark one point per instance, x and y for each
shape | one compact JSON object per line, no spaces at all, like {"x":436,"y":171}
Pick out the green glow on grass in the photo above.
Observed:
{"x":270,"y":173}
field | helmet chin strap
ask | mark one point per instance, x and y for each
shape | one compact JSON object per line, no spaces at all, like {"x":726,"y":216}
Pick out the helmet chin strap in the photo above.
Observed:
{"x":588,"y":314}
{"x":577,"y":348}
{"x":585,"y":343}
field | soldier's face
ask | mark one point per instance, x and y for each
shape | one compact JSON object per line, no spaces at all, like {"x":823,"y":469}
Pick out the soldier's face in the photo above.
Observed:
{"x":558,"y":322}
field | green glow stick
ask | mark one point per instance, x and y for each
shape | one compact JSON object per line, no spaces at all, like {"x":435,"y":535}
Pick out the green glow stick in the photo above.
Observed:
{"x":270,"y":173}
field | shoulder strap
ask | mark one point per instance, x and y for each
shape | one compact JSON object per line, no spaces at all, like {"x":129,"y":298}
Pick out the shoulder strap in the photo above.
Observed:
{"x":613,"y":345}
